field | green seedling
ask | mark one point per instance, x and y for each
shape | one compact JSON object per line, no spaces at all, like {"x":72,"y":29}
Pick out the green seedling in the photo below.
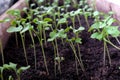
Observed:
{"x":29,"y":27}
{"x":12,"y":66}
{"x":41,"y":27}
{"x":54,"y":35}
{"x":74,"y":14}
{"x":87,"y":12}
{"x":77,"y":13}
{"x":17,"y":14}
{"x":78,"y":41}
{"x":72,"y":42}
{"x":102,"y":30}
{"x":60,"y":22}
{"x":14,"y":29}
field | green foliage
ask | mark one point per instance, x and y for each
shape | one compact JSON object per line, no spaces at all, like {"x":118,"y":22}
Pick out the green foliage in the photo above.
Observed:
{"x":12,"y":66}
{"x":103,"y":28}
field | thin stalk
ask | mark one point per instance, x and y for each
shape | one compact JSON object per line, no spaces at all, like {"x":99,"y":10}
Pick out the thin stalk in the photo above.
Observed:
{"x":81,"y":65}
{"x":59,"y":67}
{"x":73,"y":21}
{"x":78,"y":46}
{"x":54,"y":58}
{"x":86,"y":19}
{"x":18,"y":77}
{"x":74,"y":51}
{"x":104,"y":55}
{"x":112,"y":44}
{"x":108,"y":54}
{"x":34,"y":49}
{"x":16,"y":39}
{"x":117,"y":40}
{"x":2,"y":53}
{"x":76,"y":66}
{"x":44,"y":35}
{"x":24,"y":49}
{"x":54,"y":22}
{"x":76,"y":57}
{"x":43,"y":52}
{"x":79,"y":20}
{"x":45,"y":61}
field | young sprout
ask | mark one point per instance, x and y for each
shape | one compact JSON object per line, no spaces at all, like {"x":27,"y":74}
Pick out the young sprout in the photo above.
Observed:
{"x":12,"y":66}
{"x":14,"y":29}
{"x":74,"y":14}
{"x":54,"y":35}
{"x":40,"y":33}
{"x":29,"y":27}
{"x":77,"y":13}
{"x":102,"y":30}
{"x":72,"y":42}
{"x":17,"y":14}
{"x":78,"y":41}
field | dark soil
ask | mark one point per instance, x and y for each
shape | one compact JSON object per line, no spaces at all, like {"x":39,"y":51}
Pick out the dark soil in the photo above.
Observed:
{"x":92,"y":56}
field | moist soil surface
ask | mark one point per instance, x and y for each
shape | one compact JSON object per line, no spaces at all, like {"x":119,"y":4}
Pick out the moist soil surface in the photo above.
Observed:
{"x":92,"y":56}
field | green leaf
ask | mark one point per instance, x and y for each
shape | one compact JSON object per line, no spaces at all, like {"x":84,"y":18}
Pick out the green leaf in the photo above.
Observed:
{"x":94,"y":26}
{"x":110,"y":21}
{"x":79,"y":11}
{"x":5,"y":20}
{"x":78,"y":40}
{"x":14,"y":29}
{"x":113,"y":31}
{"x":102,"y":25}
{"x":67,"y":29}
{"x":13,"y":65}
{"x":48,"y":19}
{"x":10,"y":66}
{"x":14,"y":12}
{"x":53,"y":35}
{"x":62,"y":21}
{"x":61,"y":33}
{"x":97,"y":35}
{"x":26,"y":28}
{"x":96,"y":13}
{"x":21,"y":69}
{"x":78,"y":30}
{"x":66,"y":15}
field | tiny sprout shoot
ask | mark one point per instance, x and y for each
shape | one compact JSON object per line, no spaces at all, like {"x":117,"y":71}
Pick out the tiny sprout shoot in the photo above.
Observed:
{"x":29,"y":27}
{"x":18,"y":29}
{"x":76,"y":40}
{"x":54,"y":35}
{"x":12,"y":66}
